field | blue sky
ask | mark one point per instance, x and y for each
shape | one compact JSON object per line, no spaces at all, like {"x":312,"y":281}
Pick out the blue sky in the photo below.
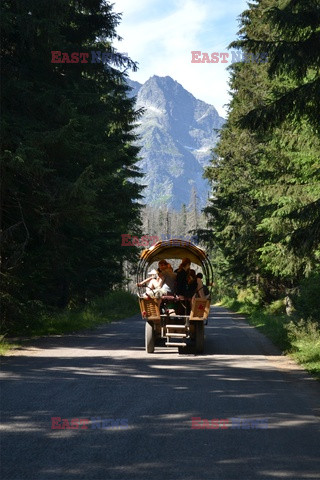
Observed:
{"x":160,"y":35}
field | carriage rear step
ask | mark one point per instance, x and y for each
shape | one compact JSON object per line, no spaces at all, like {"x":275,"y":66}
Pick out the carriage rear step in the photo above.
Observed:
{"x":175,"y":326}
{"x":177,"y":335}
{"x":175,"y":339}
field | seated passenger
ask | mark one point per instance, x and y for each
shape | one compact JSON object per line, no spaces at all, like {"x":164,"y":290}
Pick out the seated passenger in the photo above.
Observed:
{"x":182,"y":274}
{"x":192,"y":283}
{"x":202,"y":290}
{"x":168,"y":276}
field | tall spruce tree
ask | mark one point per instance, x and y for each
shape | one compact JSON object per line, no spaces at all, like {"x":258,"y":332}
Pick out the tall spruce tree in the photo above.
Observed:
{"x":265,"y":208}
{"x":291,"y":36}
{"x":68,"y":160}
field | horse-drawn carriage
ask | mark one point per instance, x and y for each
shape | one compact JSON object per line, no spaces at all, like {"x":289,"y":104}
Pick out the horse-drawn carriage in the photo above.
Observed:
{"x":174,"y":321}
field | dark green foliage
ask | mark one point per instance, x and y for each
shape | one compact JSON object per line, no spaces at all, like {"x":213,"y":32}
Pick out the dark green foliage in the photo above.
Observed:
{"x":68,"y":160}
{"x":114,"y":305}
{"x":289,"y":31}
{"x":307,"y":302}
{"x":265,"y":211}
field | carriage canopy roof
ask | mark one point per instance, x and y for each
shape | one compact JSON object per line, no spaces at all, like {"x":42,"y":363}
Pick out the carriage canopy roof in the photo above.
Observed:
{"x":174,"y":248}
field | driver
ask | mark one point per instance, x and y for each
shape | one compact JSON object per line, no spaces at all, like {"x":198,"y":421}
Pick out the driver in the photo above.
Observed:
{"x":153,"y":281}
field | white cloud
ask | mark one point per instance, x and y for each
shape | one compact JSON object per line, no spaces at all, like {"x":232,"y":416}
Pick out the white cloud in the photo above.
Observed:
{"x":167,"y":34}
{"x":161,"y":40}
{"x":130,"y":6}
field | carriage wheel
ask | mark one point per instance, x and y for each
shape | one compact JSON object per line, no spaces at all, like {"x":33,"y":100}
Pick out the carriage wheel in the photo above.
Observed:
{"x":199,"y":334}
{"x":149,"y":337}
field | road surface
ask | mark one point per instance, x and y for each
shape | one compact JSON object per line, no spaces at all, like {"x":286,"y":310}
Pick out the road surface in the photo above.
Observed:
{"x":106,"y":373}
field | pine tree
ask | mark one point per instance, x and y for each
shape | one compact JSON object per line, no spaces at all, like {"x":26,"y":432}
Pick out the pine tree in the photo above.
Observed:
{"x":264,"y":210}
{"x":68,"y":160}
{"x":291,"y":38}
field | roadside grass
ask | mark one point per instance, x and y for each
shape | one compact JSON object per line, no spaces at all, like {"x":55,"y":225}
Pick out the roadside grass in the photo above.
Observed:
{"x":298,"y":338}
{"x":114,"y":306}
{"x":305,"y":342}
{"x":5,"y":346}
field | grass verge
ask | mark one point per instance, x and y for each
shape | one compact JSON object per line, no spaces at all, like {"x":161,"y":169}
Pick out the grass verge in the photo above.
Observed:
{"x":114,"y":306}
{"x":5,"y":346}
{"x":298,"y":338}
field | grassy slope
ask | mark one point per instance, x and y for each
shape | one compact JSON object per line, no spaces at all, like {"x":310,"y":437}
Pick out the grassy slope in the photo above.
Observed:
{"x":115,"y":306}
{"x":300,"y":339}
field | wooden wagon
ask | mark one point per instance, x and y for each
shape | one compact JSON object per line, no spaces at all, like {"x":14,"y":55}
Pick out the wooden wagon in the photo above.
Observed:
{"x":172,"y":321}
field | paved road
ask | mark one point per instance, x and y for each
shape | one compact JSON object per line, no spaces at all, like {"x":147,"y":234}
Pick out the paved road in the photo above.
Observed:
{"x":106,"y":373}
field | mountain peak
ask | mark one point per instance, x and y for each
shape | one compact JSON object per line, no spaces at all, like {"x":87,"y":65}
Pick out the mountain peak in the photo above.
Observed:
{"x":177,"y":134}
{"x":166,"y":79}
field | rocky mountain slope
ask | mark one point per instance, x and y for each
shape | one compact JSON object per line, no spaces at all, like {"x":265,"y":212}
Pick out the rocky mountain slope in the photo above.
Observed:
{"x":177,"y":133}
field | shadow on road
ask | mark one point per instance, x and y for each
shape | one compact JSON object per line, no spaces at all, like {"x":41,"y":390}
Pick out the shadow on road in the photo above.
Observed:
{"x":225,"y":334}
{"x":106,"y":373}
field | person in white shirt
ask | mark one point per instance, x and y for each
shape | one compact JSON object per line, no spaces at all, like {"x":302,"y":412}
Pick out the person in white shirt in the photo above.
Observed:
{"x":152,"y":282}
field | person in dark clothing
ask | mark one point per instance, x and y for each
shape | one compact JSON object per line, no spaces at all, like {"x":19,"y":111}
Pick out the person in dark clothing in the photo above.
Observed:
{"x":182,"y":275}
{"x":192,"y":283}
{"x":202,"y":290}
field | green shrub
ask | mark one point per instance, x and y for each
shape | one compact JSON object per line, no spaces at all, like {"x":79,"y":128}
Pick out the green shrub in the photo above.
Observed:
{"x":307,"y":302}
{"x":248,"y":300}
{"x":276,"y":307}
{"x":118,"y":301}
{"x":250,"y":296}
{"x":300,"y":339}
{"x":5,"y":346}
{"x":304,"y":330}
{"x":115,"y":305}
{"x":305,"y":344}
